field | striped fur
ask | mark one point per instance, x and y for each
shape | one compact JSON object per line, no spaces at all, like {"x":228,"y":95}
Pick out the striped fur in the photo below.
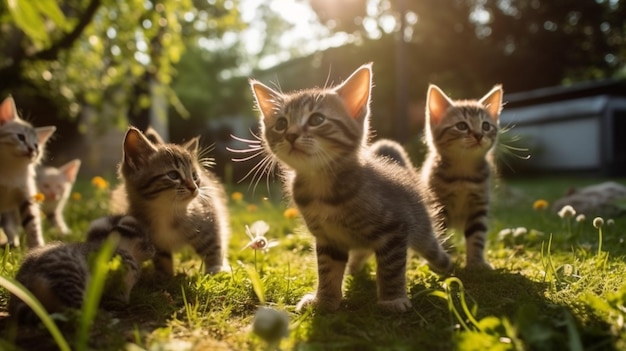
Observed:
{"x":180,"y":202}
{"x":461,"y":136}
{"x":355,"y":203}
{"x":58,"y":273}
{"x":21,"y":149}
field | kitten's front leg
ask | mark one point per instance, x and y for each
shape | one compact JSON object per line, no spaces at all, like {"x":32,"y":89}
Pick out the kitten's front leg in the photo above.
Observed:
{"x":391,"y":274}
{"x":8,"y":221}
{"x":56,"y":219}
{"x":475,"y":241}
{"x":331,"y":264}
{"x":31,"y":222}
{"x":163,"y":263}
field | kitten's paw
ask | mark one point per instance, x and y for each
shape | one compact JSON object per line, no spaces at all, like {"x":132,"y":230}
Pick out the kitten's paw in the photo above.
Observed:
{"x":217,"y":269}
{"x":312,"y":300}
{"x":443,"y":266}
{"x":479,"y":265}
{"x":399,"y":305}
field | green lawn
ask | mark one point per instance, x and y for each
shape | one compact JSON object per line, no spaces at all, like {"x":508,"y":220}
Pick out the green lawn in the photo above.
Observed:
{"x":554,"y":287}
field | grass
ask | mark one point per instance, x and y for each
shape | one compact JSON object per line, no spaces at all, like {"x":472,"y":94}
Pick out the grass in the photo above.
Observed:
{"x":558,"y":284}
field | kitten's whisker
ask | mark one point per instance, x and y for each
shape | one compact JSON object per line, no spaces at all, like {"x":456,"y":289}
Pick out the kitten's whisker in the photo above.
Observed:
{"x":256,"y":140}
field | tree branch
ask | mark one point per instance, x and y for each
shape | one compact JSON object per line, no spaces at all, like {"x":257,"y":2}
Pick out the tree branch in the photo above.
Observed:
{"x":68,"y":40}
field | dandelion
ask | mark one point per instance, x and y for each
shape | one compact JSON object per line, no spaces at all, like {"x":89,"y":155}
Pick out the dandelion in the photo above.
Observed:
{"x":567,"y":211}
{"x":598,"y":222}
{"x":258,"y":241}
{"x":99,"y":183}
{"x":236,"y":196}
{"x":39,"y":197}
{"x":504,"y":233}
{"x":76,"y":196}
{"x":519,"y":231}
{"x":580,"y":218}
{"x":291,"y":213}
{"x":540,"y":205}
{"x":610,"y":222}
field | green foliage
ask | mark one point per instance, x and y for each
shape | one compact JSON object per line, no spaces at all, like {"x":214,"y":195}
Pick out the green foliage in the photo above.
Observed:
{"x":556,"y":291}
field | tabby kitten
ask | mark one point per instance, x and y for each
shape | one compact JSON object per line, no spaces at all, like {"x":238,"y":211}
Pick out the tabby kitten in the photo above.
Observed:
{"x":58,"y":273}
{"x":179,"y":201}
{"x":21,"y":149}
{"x":354,"y":202}
{"x":56,"y":185}
{"x":460,"y":136}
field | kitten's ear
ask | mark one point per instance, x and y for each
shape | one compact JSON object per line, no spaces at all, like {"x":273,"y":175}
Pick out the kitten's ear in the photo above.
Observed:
{"x":192,"y":145}
{"x":8,"y":111}
{"x":493,"y":101}
{"x":266,"y":98}
{"x":355,"y":91}
{"x":137,"y":148}
{"x":153,"y":136}
{"x":437,"y":103}
{"x":44,"y":133}
{"x":70,"y":170}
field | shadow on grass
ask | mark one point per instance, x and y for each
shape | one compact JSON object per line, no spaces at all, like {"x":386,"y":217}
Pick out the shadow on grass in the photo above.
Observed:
{"x":537,"y":323}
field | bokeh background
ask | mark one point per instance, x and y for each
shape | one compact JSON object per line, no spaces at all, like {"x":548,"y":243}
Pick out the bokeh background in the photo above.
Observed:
{"x":92,"y":67}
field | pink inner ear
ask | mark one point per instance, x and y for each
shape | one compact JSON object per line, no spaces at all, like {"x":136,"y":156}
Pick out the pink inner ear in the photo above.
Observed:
{"x":355,"y":91}
{"x":7,"y":110}
{"x":437,"y":104}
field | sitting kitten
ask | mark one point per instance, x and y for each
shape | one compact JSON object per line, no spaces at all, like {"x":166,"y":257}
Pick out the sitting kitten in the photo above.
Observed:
{"x":354,"y":202}
{"x":56,"y":185}
{"x":58,"y":273}
{"x":460,"y":136}
{"x":21,"y":149}
{"x":176,"y":198}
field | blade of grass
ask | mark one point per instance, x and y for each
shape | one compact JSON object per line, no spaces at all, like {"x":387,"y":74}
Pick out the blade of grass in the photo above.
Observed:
{"x":17,"y":289}
{"x":99,"y":271}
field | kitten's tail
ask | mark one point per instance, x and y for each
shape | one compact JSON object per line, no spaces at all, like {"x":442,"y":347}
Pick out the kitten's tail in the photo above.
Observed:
{"x":392,"y":150}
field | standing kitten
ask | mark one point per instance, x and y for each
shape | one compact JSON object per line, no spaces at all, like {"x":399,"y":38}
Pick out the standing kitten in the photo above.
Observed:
{"x":457,"y":170}
{"x":58,"y":273}
{"x":21,"y":148}
{"x":353,"y":202}
{"x":56,"y":184}
{"x":179,"y":201}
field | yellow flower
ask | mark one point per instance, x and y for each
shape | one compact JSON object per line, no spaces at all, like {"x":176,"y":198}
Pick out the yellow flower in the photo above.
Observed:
{"x":252,"y":208}
{"x":291,"y":213}
{"x":99,"y":182}
{"x":39,"y":197}
{"x":236,"y":196}
{"x":76,"y":196}
{"x":540,"y":205}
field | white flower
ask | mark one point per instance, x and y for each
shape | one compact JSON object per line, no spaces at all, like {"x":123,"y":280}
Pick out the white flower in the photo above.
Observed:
{"x":610,"y":221}
{"x":567,"y":211}
{"x":519,"y":231}
{"x":598,"y":222}
{"x":504,"y":233}
{"x":580,"y":218}
{"x":258,"y":241}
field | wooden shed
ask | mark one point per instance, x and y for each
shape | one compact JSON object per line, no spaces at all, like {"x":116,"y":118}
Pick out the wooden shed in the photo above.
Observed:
{"x":579,"y":128}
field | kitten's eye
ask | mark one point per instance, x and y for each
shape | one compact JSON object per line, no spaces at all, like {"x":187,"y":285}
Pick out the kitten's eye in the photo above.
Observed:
{"x":21,"y":137}
{"x":281,"y":124}
{"x":462,"y":126}
{"x":316,"y":119}
{"x":486,"y":126}
{"x":173,"y":175}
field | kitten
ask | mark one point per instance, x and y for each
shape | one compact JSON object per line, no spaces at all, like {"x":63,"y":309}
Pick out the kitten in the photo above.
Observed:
{"x":56,"y":185}
{"x":21,"y":149}
{"x":460,"y":136}
{"x":58,"y":273}
{"x":354,"y":202}
{"x":180,"y":202}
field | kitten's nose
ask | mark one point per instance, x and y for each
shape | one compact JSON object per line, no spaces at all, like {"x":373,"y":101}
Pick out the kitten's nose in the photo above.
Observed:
{"x":291,"y":137}
{"x":478,"y":137}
